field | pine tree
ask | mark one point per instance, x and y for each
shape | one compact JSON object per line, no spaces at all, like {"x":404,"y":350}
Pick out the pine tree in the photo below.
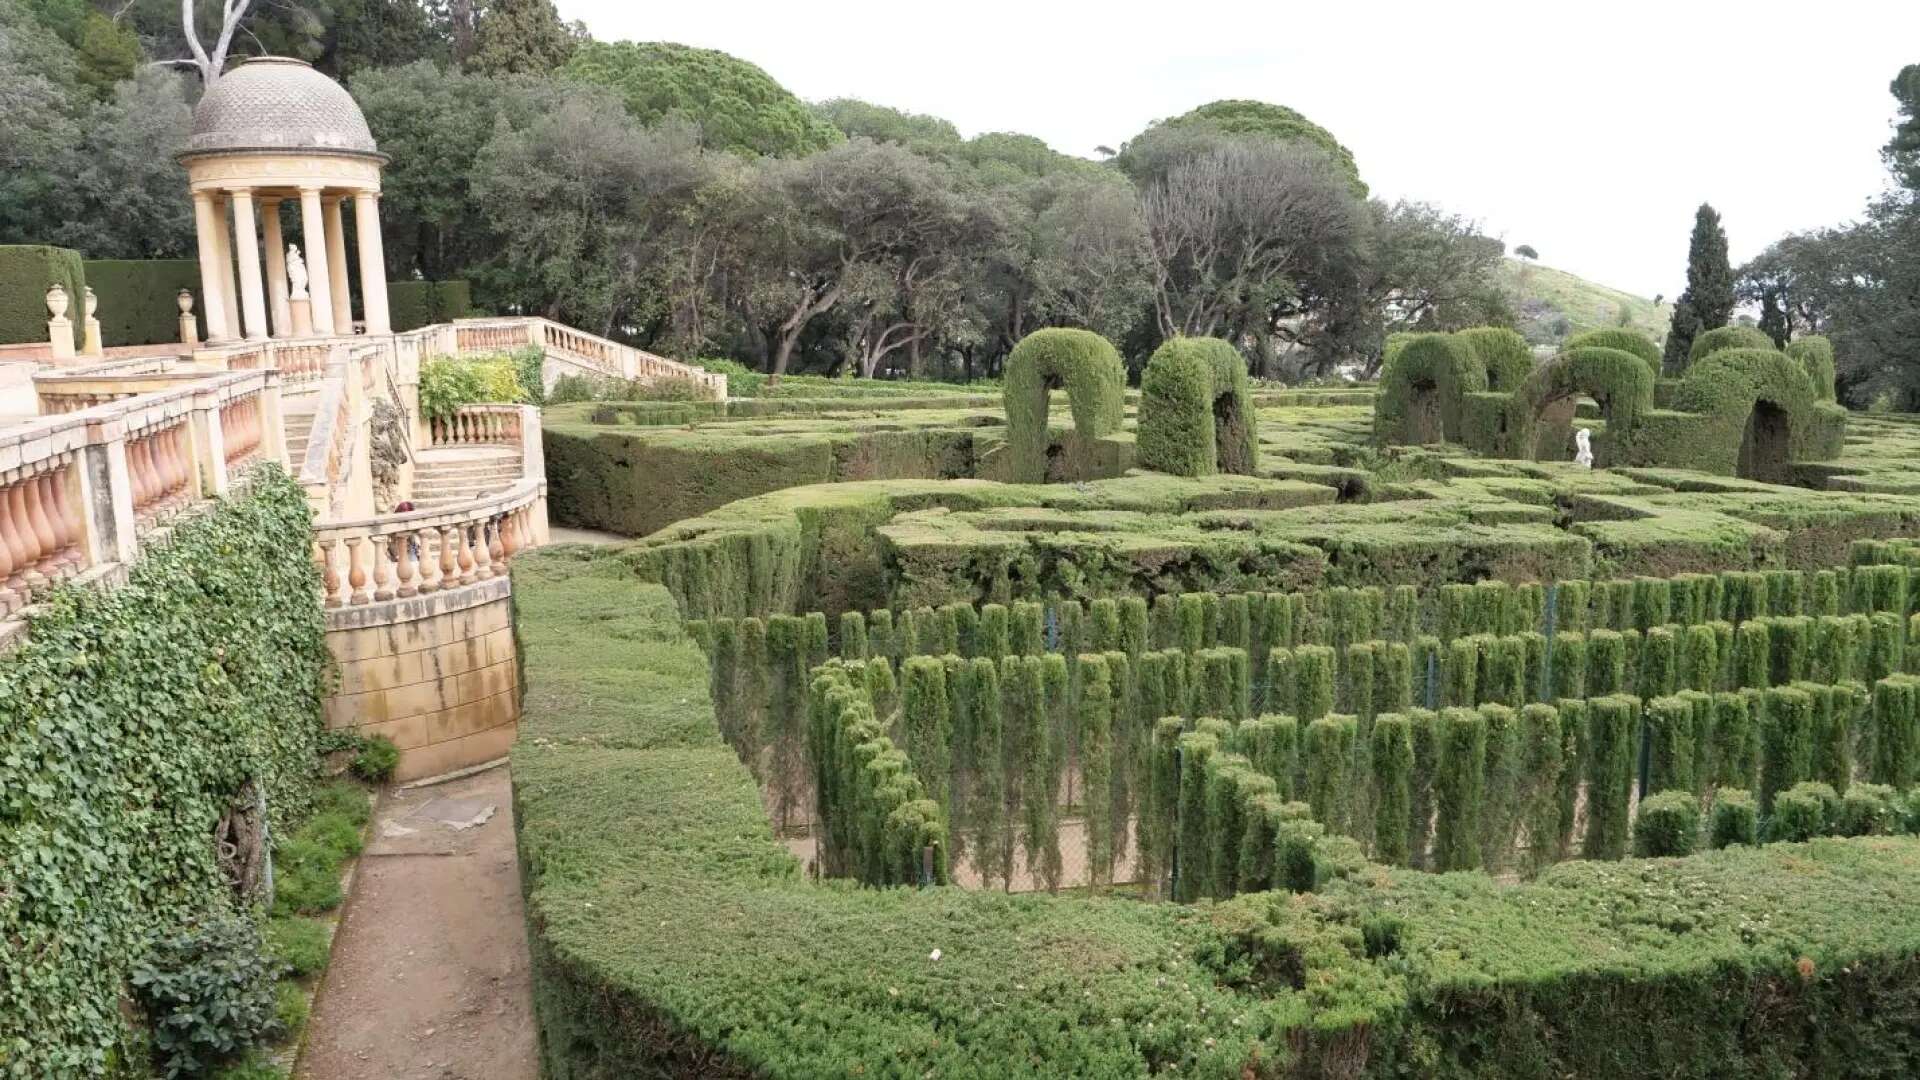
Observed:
{"x":1707,"y":303}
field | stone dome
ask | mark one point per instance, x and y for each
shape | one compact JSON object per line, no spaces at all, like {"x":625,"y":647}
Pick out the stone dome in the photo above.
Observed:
{"x":278,"y":104}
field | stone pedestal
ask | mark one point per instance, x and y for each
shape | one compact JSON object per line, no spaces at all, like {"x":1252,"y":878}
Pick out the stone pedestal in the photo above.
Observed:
{"x":59,"y":327}
{"x":189,"y":330}
{"x":302,"y":316}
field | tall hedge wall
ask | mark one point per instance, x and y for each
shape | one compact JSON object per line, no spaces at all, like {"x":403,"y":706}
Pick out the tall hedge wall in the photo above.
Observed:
{"x":1814,"y":354}
{"x":1629,"y":341}
{"x":128,"y":720}
{"x":1505,"y":355}
{"x":1722,"y":338}
{"x":26,"y":270}
{"x":139,"y":299}
{"x":672,"y":934}
{"x":414,"y":304}
{"x":1423,"y":388}
{"x":1079,"y":361}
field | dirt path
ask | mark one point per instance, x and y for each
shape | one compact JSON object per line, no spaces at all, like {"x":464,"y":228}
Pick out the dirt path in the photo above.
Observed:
{"x":429,"y":971}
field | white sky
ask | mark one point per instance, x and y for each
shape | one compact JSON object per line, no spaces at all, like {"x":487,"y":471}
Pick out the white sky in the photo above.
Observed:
{"x":1590,"y":131}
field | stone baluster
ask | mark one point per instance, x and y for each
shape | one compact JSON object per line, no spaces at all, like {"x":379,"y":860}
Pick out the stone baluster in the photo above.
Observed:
{"x":382,"y":552}
{"x":497,"y":552}
{"x":137,"y":469}
{"x":46,"y":540}
{"x":10,"y":598}
{"x":75,"y":524}
{"x":406,"y":564}
{"x":449,"y":557}
{"x":356,"y":571}
{"x":329,"y":573}
{"x":431,"y":577}
{"x":463,"y":540}
{"x":482,"y":554}
{"x":26,"y":553}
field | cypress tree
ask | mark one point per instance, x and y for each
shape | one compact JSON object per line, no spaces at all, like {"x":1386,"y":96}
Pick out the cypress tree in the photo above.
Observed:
{"x":1193,"y":628}
{"x":1707,"y":302}
{"x":1459,"y":787}
{"x":1313,"y":691}
{"x":1329,"y":758}
{"x":1613,"y":725}
{"x":1424,"y":729}
{"x":1402,"y":618}
{"x":927,"y":725}
{"x":1753,"y":644}
{"x":1104,"y":616}
{"x":1572,"y":611}
{"x":1659,"y":667}
{"x":1236,"y":621}
{"x":1460,"y":670}
{"x":986,"y":816}
{"x":1027,"y":629}
{"x":1094,"y":716}
{"x":1191,"y":855}
{"x":1133,"y":625}
{"x":880,"y":637}
{"x":1542,"y":754}
{"x":1699,"y":658}
{"x":1392,"y":786}
{"x":853,"y":635}
{"x":1359,"y":681}
{"x":1786,"y":744}
{"x":1569,"y":674}
{"x":1272,"y":743}
{"x":966,"y":628}
{"x":990,"y":639}
{"x":1734,"y":746}
{"x":883,"y":691}
{"x":1162,"y":799}
{"x":1606,"y":663}
{"x":1393,"y":677}
{"x":1670,"y":737}
{"x":1500,"y":802}
{"x":1165,"y":620}
{"x":1575,"y":754}
{"x":1896,"y":732}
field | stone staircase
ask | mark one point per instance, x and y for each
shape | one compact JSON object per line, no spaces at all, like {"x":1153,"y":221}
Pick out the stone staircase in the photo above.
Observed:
{"x":299,"y":429}
{"x":443,"y":476}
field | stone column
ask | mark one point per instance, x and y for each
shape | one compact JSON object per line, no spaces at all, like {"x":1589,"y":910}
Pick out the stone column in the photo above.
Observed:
{"x":276,"y":268}
{"x":206,"y":227}
{"x":246,"y":237}
{"x":337,"y":269}
{"x":314,"y":231}
{"x":373,"y":262}
{"x":223,"y":262}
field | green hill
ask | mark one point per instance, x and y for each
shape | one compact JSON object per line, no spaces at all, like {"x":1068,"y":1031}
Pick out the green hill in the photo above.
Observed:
{"x":1553,"y":304}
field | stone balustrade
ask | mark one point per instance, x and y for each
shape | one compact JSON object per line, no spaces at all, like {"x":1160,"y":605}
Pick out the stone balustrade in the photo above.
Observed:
{"x":81,"y":489}
{"x":608,"y":359}
{"x":41,"y":529}
{"x":301,"y":362}
{"x":404,"y":555}
{"x":479,"y":425}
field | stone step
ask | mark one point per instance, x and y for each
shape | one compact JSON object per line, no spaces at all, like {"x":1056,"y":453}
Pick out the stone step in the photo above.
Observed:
{"x":492,"y":468}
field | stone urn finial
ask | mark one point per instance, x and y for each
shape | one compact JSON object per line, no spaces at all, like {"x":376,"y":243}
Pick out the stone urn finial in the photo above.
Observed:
{"x":93,"y":302}
{"x":185,"y":300}
{"x":57,"y":301}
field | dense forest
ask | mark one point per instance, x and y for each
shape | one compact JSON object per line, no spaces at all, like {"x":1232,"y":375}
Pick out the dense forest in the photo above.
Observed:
{"x":682,"y":199}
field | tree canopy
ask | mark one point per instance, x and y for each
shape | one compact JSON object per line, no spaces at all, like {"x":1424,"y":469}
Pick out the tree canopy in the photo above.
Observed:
{"x":1242,"y":117}
{"x":734,"y":105}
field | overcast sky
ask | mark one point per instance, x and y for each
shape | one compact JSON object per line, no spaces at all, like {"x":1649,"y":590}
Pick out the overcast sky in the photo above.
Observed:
{"x":1591,"y":135}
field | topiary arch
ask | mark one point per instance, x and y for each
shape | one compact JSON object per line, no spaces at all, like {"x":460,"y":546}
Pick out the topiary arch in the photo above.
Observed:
{"x":1814,"y":354}
{"x":1727,"y":337}
{"x":1614,"y":337}
{"x":1619,"y":381}
{"x":1086,"y":366}
{"x":1505,"y":355}
{"x":1422,"y":388}
{"x":1195,"y":416}
{"x":1761,"y":393}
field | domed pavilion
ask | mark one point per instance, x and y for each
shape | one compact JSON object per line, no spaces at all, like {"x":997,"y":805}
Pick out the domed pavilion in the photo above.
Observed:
{"x":269,"y":131}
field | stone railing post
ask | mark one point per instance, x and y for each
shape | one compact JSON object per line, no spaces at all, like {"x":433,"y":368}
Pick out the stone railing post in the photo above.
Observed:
{"x":273,"y":429}
{"x":59,"y":327}
{"x":208,"y":446}
{"x":107,"y":488}
{"x":93,"y":346}
{"x":189,"y":330}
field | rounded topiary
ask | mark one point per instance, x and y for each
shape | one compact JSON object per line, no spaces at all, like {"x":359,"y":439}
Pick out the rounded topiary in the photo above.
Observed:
{"x":1668,"y":824}
{"x":1082,"y":362}
{"x":1814,"y":354}
{"x":1421,"y":390}
{"x":1726,"y":337}
{"x":1803,"y":811}
{"x":1736,"y":820}
{"x":1195,"y":416}
{"x":1615,"y":337}
{"x":1505,"y":355}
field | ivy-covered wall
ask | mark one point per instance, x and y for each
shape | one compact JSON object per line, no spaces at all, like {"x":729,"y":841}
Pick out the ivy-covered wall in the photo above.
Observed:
{"x":129,"y":718}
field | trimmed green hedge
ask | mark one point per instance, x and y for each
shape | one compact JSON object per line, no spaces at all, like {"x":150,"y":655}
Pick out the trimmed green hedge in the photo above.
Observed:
{"x":632,"y":814}
{"x":1195,"y":416}
{"x":26,"y":272}
{"x":1620,"y":382}
{"x":1079,"y":361}
{"x":139,"y":299}
{"x":1629,"y":341}
{"x":128,"y":720}
{"x":1726,"y":337}
{"x":1814,"y":354}
{"x":1505,"y":355}
{"x":1422,"y":391}
{"x":414,"y":304}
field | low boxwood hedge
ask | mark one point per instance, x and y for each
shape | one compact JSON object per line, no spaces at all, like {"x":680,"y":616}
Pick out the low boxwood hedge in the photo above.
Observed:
{"x":672,"y":934}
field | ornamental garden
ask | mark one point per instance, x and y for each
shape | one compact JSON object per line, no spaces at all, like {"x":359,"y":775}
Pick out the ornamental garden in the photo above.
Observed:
{"x":1106,"y":723}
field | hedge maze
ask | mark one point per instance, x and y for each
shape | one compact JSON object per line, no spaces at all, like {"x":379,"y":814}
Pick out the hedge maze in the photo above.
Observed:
{"x":1234,"y":731}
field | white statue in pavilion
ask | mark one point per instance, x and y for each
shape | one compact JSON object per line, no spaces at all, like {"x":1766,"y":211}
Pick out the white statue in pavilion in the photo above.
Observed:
{"x":296,"y":272}
{"x":1583,"y":449}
